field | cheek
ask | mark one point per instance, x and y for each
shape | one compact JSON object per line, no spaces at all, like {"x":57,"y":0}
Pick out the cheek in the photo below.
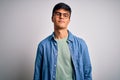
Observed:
{"x":54,"y":20}
{"x":67,"y":22}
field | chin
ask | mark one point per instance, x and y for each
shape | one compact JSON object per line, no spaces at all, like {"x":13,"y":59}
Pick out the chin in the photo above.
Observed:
{"x":60,"y":27}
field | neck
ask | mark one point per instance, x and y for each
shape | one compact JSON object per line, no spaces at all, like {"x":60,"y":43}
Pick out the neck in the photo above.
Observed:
{"x":59,"y":34}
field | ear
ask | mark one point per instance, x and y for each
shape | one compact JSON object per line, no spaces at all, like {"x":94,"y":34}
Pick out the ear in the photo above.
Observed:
{"x":52,"y":18}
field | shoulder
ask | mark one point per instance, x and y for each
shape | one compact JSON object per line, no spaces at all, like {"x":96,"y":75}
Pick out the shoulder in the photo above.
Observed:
{"x":76,"y":38}
{"x":80,"y":41}
{"x":45,"y":41}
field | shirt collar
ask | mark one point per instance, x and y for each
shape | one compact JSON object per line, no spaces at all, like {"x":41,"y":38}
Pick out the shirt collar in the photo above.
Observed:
{"x":70,"y":36}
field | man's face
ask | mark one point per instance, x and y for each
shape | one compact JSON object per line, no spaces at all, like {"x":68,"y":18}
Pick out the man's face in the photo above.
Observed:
{"x":61,"y":19}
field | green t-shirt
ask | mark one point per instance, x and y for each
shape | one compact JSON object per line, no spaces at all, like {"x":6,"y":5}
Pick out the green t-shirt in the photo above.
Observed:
{"x":64,"y":70}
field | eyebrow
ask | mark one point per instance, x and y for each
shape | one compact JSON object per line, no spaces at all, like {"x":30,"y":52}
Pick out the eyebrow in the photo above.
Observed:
{"x":62,"y":13}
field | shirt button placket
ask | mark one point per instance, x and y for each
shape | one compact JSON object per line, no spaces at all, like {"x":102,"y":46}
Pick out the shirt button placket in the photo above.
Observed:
{"x":55,"y":66}
{"x":55,"y":58}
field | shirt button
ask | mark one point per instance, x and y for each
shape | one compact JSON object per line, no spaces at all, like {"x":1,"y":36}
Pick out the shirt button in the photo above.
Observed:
{"x":53,"y":76}
{"x":55,"y":44}
{"x":55,"y":65}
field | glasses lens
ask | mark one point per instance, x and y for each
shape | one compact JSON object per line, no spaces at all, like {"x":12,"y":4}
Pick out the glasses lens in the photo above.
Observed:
{"x":65,"y":15}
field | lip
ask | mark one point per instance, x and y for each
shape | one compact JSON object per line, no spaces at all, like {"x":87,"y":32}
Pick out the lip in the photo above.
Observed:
{"x":61,"y":21}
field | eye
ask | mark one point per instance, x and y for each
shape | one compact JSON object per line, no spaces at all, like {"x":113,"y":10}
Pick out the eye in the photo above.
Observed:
{"x":66,"y":15}
{"x":57,"y":14}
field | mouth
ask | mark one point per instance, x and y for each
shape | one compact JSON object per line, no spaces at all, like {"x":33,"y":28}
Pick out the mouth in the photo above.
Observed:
{"x":61,"y":21}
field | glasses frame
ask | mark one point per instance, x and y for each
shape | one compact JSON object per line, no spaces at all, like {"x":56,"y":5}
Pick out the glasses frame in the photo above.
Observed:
{"x":59,"y":14}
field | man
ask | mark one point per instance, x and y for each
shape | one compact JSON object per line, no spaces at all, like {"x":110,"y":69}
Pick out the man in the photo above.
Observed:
{"x":62,"y":56}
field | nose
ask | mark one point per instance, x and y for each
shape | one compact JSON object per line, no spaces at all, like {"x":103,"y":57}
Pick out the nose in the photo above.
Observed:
{"x":61,"y":16}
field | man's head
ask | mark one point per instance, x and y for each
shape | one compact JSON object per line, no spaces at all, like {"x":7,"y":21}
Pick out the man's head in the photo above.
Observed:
{"x":61,"y":16}
{"x":61,"y":6}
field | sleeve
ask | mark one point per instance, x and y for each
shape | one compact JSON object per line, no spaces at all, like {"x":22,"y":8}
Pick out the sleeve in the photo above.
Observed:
{"x":87,"y":68}
{"x":38,"y":64}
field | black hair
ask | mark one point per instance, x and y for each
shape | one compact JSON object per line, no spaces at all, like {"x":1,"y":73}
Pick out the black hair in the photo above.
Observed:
{"x":61,"y":6}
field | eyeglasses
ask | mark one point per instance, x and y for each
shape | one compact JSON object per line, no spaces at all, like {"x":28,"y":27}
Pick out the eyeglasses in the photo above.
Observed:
{"x":65,"y":15}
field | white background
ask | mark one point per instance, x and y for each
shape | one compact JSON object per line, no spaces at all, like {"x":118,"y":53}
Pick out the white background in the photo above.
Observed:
{"x":23,"y":24}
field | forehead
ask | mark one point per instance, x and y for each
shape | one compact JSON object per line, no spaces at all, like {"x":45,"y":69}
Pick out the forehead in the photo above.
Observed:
{"x":62,"y":10}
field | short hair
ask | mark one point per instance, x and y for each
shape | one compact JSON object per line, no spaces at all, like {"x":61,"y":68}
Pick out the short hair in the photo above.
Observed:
{"x":61,"y":6}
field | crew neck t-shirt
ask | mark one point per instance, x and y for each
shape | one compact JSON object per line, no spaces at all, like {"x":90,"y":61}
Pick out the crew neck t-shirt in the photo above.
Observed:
{"x":64,"y":70}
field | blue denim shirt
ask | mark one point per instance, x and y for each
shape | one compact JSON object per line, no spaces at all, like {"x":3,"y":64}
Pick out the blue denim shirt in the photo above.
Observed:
{"x":46,"y":59}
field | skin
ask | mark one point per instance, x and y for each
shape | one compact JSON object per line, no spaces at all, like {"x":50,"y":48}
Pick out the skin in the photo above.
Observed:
{"x":60,"y":24}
